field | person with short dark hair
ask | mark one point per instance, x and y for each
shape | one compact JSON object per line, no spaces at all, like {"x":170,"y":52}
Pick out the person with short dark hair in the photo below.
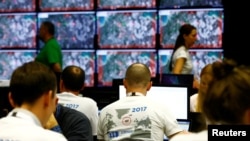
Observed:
{"x":71,"y":85}
{"x":33,"y":96}
{"x":136,"y":116}
{"x":50,"y":54}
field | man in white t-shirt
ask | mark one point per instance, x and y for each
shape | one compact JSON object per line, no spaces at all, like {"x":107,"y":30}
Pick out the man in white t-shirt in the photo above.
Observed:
{"x":136,"y":116}
{"x":33,"y":96}
{"x":72,"y":82}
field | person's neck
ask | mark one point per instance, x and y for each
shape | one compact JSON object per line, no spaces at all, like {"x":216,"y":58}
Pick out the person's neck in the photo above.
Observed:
{"x":142,"y":91}
{"x":47,"y":38}
{"x":73,"y":92}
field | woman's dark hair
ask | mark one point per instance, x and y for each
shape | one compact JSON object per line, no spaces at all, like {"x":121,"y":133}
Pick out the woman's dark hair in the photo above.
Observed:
{"x":185,"y":29}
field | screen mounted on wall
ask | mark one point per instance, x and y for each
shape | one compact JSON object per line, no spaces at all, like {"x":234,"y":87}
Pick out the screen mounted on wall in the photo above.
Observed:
{"x":66,"y":5}
{"x":126,"y":29}
{"x":112,"y":64}
{"x":209,"y":24}
{"x":84,"y":59}
{"x":74,"y":30}
{"x":18,"y":30}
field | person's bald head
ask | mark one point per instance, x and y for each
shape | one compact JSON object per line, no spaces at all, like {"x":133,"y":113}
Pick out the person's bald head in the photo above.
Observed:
{"x":138,"y":75}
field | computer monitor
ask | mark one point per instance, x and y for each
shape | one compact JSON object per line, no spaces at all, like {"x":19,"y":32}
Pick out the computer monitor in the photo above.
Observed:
{"x":175,"y":97}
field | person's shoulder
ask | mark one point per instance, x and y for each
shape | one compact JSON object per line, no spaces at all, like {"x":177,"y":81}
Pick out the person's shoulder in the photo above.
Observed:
{"x":51,"y":135}
{"x":89,"y":100}
{"x":200,"y":136}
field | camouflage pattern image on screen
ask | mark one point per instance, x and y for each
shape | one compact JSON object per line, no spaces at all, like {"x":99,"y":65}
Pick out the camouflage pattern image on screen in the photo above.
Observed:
{"x":18,"y":30}
{"x":189,"y":3}
{"x":114,"y":4}
{"x":201,"y":58}
{"x":126,"y":29}
{"x":84,"y":59}
{"x":66,"y":5}
{"x":74,"y":30}
{"x":18,"y":6}
{"x":11,"y":59}
{"x":112,"y":64}
{"x":209,"y":24}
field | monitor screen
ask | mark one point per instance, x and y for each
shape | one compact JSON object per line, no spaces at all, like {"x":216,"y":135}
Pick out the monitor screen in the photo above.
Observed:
{"x":17,"y":5}
{"x":163,"y":61}
{"x":201,"y":58}
{"x":114,"y":4}
{"x":18,"y":30}
{"x":126,"y":29}
{"x":189,"y":3}
{"x":112,"y":64}
{"x":209,"y":24}
{"x":11,"y":59}
{"x":176,"y":98}
{"x":66,"y":5}
{"x":84,"y":59}
{"x":74,"y":30}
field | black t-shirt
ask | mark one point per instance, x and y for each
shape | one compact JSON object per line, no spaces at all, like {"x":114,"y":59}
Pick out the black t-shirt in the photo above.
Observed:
{"x":74,"y":124}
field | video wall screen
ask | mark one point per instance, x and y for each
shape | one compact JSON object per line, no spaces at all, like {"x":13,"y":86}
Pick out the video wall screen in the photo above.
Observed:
{"x":17,"y":5}
{"x":84,"y":59}
{"x":66,"y":5}
{"x":74,"y":30}
{"x":18,"y":30}
{"x":209,"y":24}
{"x":112,"y":64}
{"x":200,"y":58}
{"x":127,"y":29}
{"x":11,"y":59}
{"x":189,"y":3}
{"x":122,"y":4}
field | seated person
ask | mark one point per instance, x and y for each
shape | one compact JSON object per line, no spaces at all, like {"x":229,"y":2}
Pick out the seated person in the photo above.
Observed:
{"x":33,"y":98}
{"x":74,"y":125}
{"x":71,"y":84}
{"x":226,"y":101}
{"x":136,"y":116}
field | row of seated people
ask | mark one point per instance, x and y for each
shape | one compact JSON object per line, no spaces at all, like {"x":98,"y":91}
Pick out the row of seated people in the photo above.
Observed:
{"x":134,"y":117}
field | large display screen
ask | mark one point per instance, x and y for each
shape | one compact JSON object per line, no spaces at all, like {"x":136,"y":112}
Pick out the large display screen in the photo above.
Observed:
{"x":84,"y":59}
{"x":74,"y":30}
{"x":18,"y":30}
{"x":209,"y":24}
{"x":11,"y":59}
{"x":65,"y":5}
{"x":112,"y":64}
{"x":127,"y":29}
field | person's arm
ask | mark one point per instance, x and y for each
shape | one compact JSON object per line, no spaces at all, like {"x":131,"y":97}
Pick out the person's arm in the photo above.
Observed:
{"x":182,"y":132}
{"x":178,"y":65}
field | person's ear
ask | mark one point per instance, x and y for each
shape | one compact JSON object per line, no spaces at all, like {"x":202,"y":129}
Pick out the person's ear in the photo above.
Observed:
{"x":125,"y":83}
{"x":83,"y":86}
{"x":11,"y":101}
{"x":47,"y":98}
{"x":149,"y":85}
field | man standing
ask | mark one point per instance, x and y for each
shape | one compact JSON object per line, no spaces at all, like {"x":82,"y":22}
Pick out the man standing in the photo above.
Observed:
{"x":50,"y":54}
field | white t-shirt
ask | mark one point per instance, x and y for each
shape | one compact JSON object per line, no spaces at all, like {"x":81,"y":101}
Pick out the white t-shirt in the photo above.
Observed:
{"x":182,"y":52}
{"x":200,"y":136}
{"x":22,"y":125}
{"x":193,"y":102}
{"x":136,"y":117}
{"x":83,"y":104}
